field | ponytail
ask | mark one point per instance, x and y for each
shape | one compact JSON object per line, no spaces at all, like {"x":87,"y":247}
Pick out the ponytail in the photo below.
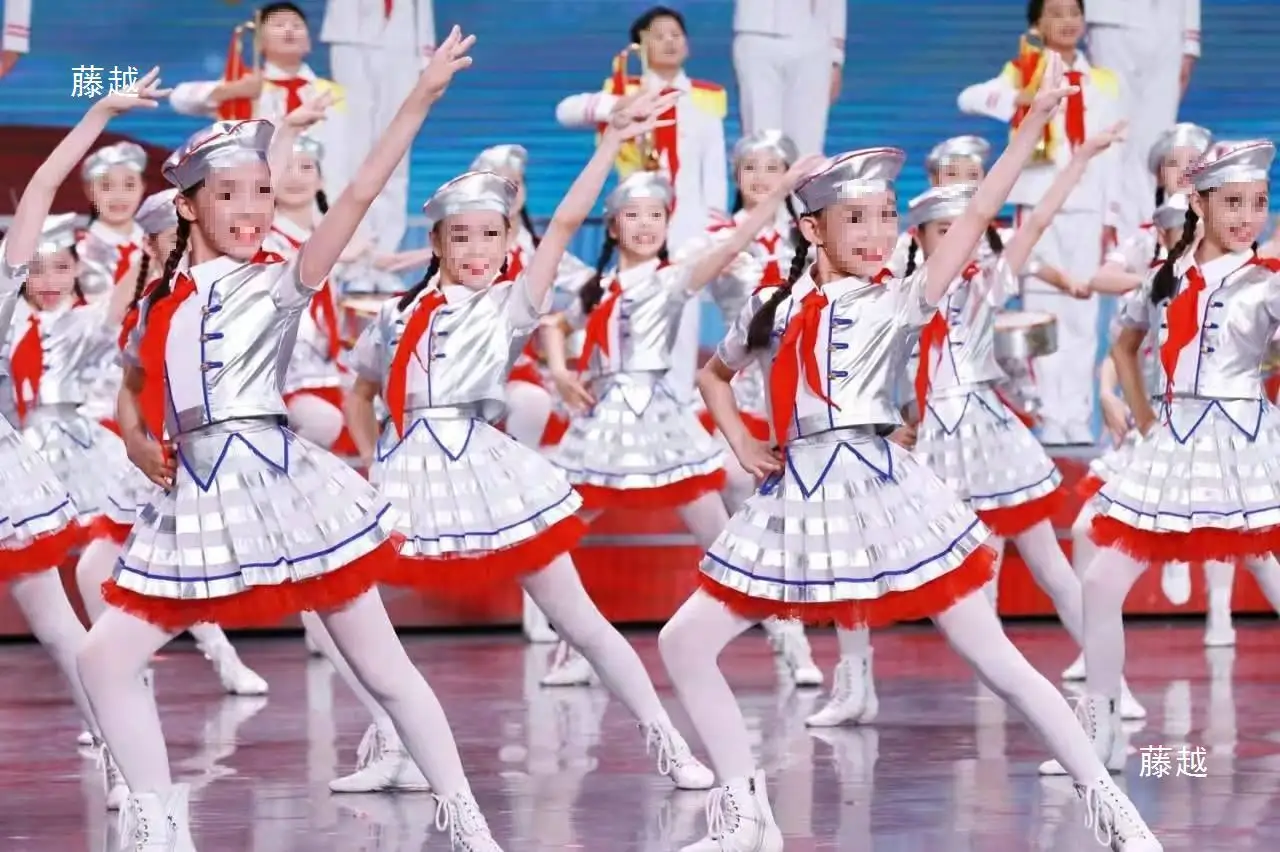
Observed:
{"x":412,"y":293}
{"x":593,"y":291}
{"x":527,"y":221}
{"x":911,"y":257}
{"x":993,"y":240}
{"x":322,"y":201}
{"x":1165,"y":285}
{"x":760,"y":330}
{"x":144,"y":267}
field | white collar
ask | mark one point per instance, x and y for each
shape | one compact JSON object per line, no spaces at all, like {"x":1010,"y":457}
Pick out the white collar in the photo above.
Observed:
{"x":271,"y":71}
{"x":1220,"y":267}
{"x":833,"y":289}
{"x":681,"y":81}
{"x":290,"y":229}
{"x":636,"y":273}
{"x":112,"y":237}
{"x":205,"y":275}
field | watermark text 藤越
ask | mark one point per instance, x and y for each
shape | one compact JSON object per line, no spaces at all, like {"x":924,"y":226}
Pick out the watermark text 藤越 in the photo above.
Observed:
{"x":1164,"y":761}
{"x":94,"y":81}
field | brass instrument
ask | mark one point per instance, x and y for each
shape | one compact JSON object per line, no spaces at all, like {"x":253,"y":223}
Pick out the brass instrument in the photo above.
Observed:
{"x":1030,"y":64}
{"x":645,"y":145}
{"x":241,"y":109}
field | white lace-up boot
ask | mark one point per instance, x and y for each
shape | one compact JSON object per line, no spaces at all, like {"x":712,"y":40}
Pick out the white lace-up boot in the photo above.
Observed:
{"x":112,"y":781}
{"x":853,"y":698}
{"x":1116,"y":823}
{"x":382,"y":766}
{"x":236,"y":677}
{"x":739,"y":819}
{"x":1100,"y":718}
{"x":468,"y":832}
{"x":1075,"y":671}
{"x":790,"y":643}
{"x":568,"y":668}
{"x":154,"y":822}
{"x":675,"y":758}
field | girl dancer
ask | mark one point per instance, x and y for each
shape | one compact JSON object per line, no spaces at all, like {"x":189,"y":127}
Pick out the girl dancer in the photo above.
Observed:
{"x":847,"y":526}
{"x":1202,"y":484}
{"x":158,"y":222}
{"x":630,"y":442}
{"x":474,"y":504}
{"x":966,"y":435}
{"x":760,"y":162}
{"x":255,"y":523}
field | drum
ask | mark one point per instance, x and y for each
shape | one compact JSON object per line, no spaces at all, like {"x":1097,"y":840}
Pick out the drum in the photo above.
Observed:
{"x":357,"y":311}
{"x":1023,"y":335}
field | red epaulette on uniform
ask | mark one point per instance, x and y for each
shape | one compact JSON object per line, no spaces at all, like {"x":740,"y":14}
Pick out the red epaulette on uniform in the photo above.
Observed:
{"x":706,"y":85}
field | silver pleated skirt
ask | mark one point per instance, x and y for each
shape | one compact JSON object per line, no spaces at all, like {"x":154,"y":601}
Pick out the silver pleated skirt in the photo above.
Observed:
{"x":637,"y":436}
{"x":90,"y":460}
{"x":1105,"y":465}
{"x":852,"y":517}
{"x":252,"y":505}
{"x":983,"y":452}
{"x":1211,"y":465}
{"x":33,"y":500}
{"x":460,"y":487}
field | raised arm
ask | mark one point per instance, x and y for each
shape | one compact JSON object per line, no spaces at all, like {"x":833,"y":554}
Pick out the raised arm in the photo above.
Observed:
{"x":321,"y":252}
{"x":1033,"y":228}
{"x":639,"y":115}
{"x":957,"y":246}
{"x":37,"y":198}
{"x":287,"y":133}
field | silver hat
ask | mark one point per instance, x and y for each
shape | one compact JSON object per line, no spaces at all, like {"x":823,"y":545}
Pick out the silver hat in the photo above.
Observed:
{"x":57,"y":233}
{"x":157,"y":213}
{"x":771,"y":141}
{"x":1183,"y":135}
{"x":958,"y":148}
{"x":128,"y":154}
{"x":309,"y":146}
{"x":636,"y":186}
{"x":470,"y":193}
{"x":1232,"y":162}
{"x":501,"y":158}
{"x":1173,"y":213}
{"x":850,"y":175}
{"x":226,"y":143}
{"x":941,"y":202}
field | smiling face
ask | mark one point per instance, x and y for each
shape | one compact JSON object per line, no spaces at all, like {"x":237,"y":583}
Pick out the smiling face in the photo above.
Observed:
{"x":931,"y":233}
{"x":232,"y":211}
{"x":472,"y":247}
{"x":759,"y":174}
{"x":1173,"y":170}
{"x":856,"y":237}
{"x":956,"y":170}
{"x":640,"y":229}
{"x":1234,"y":214}
{"x":116,"y":195}
{"x":52,"y":278}
{"x":284,"y":37}
{"x":1061,"y":24}
{"x":298,"y":186}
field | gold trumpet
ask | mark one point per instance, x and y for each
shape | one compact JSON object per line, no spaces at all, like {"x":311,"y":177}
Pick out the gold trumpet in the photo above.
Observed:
{"x":645,"y":145}
{"x":241,"y":109}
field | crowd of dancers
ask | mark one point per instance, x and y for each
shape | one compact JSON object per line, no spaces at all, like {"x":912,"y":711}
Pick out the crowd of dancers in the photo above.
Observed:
{"x":179,"y":403}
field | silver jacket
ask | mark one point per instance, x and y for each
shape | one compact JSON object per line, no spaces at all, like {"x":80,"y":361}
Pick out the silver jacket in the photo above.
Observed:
{"x":970,"y":309}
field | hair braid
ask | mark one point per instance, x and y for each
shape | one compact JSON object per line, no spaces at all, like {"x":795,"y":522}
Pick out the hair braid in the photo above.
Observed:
{"x":760,"y":330}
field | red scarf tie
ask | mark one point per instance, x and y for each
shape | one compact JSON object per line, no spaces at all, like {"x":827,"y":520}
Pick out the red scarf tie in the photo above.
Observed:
{"x":324,"y":313}
{"x":772,"y":275}
{"x":151,"y":353}
{"x":932,"y":337}
{"x":396,"y":392}
{"x":28,"y":367}
{"x":1073,"y":119}
{"x":1183,"y":318}
{"x":597,"y":331}
{"x":293,"y":87}
{"x":797,"y":352}
{"x":124,"y":256}
{"x":515,"y":264}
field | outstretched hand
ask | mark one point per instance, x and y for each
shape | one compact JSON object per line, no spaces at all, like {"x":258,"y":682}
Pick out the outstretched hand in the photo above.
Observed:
{"x":143,"y":94}
{"x":1053,"y":87}
{"x":1097,"y":144}
{"x":450,"y":58}
{"x":801,"y":169}
{"x":310,"y":112}
{"x":639,"y":113}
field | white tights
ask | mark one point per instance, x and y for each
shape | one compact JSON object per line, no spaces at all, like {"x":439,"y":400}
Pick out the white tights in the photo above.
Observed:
{"x":528,"y":412}
{"x":94,"y":568}
{"x":1107,"y":582}
{"x":43,"y":602}
{"x":695,"y":636}
{"x":121,"y":645}
{"x":315,"y":419}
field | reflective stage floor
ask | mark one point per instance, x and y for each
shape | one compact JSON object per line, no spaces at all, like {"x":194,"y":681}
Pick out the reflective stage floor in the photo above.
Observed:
{"x":947,"y":767}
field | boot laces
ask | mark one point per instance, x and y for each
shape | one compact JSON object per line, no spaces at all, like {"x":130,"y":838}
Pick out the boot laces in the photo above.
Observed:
{"x":794,"y":650}
{"x":371,"y":748}
{"x":723,"y":814}
{"x":460,"y":816}
{"x":1109,"y":815}
{"x":843,"y":689}
{"x":672,"y":751}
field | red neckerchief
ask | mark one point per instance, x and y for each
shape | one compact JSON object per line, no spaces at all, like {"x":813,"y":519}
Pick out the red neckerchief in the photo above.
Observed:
{"x":27,"y":366}
{"x":124,"y":256}
{"x":596,"y":335}
{"x":1073,"y":118}
{"x":772,"y":275}
{"x":515,"y":264}
{"x":293,"y":87}
{"x":396,"y":391}
{"x":933,"y":336}
{"x":131,"y":317}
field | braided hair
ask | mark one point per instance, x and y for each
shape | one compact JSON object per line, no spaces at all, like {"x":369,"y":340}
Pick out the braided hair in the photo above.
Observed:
{"x":993,"y":240}
{"x":527,"y":221}
{"x":144,"y":267}
{"x":593,"y":291}
{"x":760,"y":330}
{"x":1165,"y":284}
{"x":1159,"y":196}
{"x":182,"y":239}
{"x":912,"y":251}
{"x":412,"y":293}
{"x":322,"y":201}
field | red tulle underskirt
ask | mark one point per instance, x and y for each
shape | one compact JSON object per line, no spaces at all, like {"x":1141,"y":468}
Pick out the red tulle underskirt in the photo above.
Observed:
{"x":345,"y":445}
{"x":44,"y":552}
{"x":1013,"y":520}
{"x":1202,"y":545}
{"x":468,"y":582}
{"x":264,"y":606}
{"x":527,"y":373}
{"x":664,"y":496}
{"x":925,"y":602}
{"x":757,"y":426}
{"x":104,"y":527}
{"x":1089,"y":486}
